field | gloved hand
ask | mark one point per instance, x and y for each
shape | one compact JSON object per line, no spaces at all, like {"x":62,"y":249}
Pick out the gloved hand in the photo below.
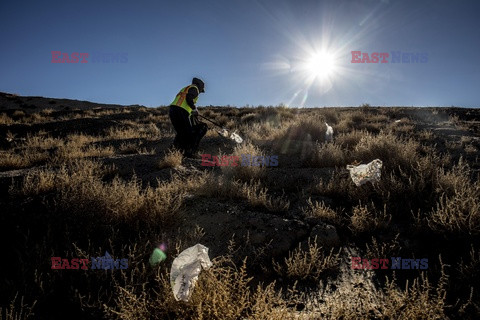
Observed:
{"x":195,"y":113}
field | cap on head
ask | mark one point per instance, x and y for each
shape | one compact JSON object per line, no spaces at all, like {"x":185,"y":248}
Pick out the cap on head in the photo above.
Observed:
{"x":199,"y":83}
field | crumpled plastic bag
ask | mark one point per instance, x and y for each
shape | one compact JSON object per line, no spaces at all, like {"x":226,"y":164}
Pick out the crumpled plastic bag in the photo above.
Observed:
{"x":185,"y":270}
{"x":232,"y":136}
{"x":224,"y":133}
{"x":366,"y":172}
{"x":235,"y":137}
{"x":328,"y":133}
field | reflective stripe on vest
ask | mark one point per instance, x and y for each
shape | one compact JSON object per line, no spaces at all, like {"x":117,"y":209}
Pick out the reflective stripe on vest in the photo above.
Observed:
{"x":181,"y":98}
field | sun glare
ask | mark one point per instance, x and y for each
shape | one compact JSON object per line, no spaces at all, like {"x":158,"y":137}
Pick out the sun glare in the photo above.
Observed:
{"x":320,"y":65}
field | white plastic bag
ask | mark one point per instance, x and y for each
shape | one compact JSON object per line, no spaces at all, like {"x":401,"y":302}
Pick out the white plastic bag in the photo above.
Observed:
{"x":365,"y":172}
{"x":235,"y":137}
{"x":328,"y":133}
{"x":185,"y":270}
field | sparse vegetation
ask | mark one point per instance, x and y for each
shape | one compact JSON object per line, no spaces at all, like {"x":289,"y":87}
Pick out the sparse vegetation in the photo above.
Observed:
{"x":308,"y":264}
{"x":81,"y":181}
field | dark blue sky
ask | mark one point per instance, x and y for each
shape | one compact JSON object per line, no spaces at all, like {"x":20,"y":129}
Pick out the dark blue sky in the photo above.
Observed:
{"x":247,"y":52}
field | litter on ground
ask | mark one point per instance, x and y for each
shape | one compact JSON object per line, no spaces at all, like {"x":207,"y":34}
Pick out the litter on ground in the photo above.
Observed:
{"x":235,"y":137}
{"x":366,"y":172}
{"x":185,"y":270}
{"x":223,"y":133}
{"x":329,"y":133}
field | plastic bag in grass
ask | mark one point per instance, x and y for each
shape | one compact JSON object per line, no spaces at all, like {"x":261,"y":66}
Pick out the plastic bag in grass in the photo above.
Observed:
{"x":366,"y":172}
{"x":185,"y":270}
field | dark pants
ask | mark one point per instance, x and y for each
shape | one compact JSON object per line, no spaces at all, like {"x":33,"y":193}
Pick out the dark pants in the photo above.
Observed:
{"x":189,"y":130}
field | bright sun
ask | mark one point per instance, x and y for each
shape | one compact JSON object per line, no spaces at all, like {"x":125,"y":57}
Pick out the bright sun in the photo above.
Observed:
{"x":320,"y":65}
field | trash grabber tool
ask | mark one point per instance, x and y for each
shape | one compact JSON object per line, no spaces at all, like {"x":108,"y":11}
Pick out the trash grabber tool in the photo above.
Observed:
{"x":218,"y":125}
{"x":224,"y":132}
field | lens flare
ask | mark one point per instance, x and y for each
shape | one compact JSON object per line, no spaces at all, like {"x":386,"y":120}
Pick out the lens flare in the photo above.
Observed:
{"x":320,"y":65}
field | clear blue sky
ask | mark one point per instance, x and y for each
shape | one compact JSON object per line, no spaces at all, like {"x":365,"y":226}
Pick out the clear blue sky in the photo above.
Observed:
{"x":247,"y":51}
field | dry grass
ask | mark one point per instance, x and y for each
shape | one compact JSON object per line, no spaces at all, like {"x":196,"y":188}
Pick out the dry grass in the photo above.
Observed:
{"x":72,"y":196}
{"x":17,"y":310}
{"x":258,"y":197}
{"x":309,"y":264}
{"x":222,"y":292}
{"x":377,"y":249}
{"x":329,"y":155}
{"x":5,"y":119}
{"x":358,"y":298}
{"x":322,"y":211}
{"x":80,"y":190}
{"x":172,"y":159}
{"x":368,"y":219}
{"x":245,"y":173}
{"x":393,"y":151}
{"x":456,"y":209}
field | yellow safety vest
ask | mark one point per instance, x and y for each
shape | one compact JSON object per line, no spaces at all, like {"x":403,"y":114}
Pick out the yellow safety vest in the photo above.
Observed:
{"x":181,"y":98}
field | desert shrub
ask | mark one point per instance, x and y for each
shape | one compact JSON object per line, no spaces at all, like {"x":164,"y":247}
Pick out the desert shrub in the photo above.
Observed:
{"x":350,"y":139}
{"x":458,"y":209}
{"x":18,"y":114}
{"x":350,"y":120}
{"x":362,"y":119}
{"x":42,"y":141}
{"x":403,"y":129}
{"x":131,"y":132}
{"x":35,"y":183}
{"x":330,"y":115}
{"x":246,"y":118}
{"x":307,"y":129}
{"x":80,"y":190}
{"x":128,"y":148}
{"x":172,"y":159}
{"x":468,"y":268}
{"x":377,"y":250}
{"x":264,"y":130}
{"x":258,"y":197}
{"x":47,"y":111}
{"x":417,"y":183}
{"x":41,"y":148}
{"x":394,"y":152}
{"x":17,"y":310}
{"x":421,"y":300}
{"x":73,"y":149}
{"x":252,"y":191}
{"x":340,"y":187}
{"x":459,"y":213}
{"x":368,"y":219}
{"x":244,"y":173}
{"x":222,"y":292}
{"x":320,"y":210}
{"x":120,"y":200}
{"x":308,"y":264}
{"x":328,"y":155}
{"x":11,"y":160}
{"x":5,"y":119}
{"x":469,"y":277}
{"x":357,"y":298}
{"x":53,"y":179}
{"x":426,"y":135}
{"x":36,"y":118}
{"x":270,"y":304}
